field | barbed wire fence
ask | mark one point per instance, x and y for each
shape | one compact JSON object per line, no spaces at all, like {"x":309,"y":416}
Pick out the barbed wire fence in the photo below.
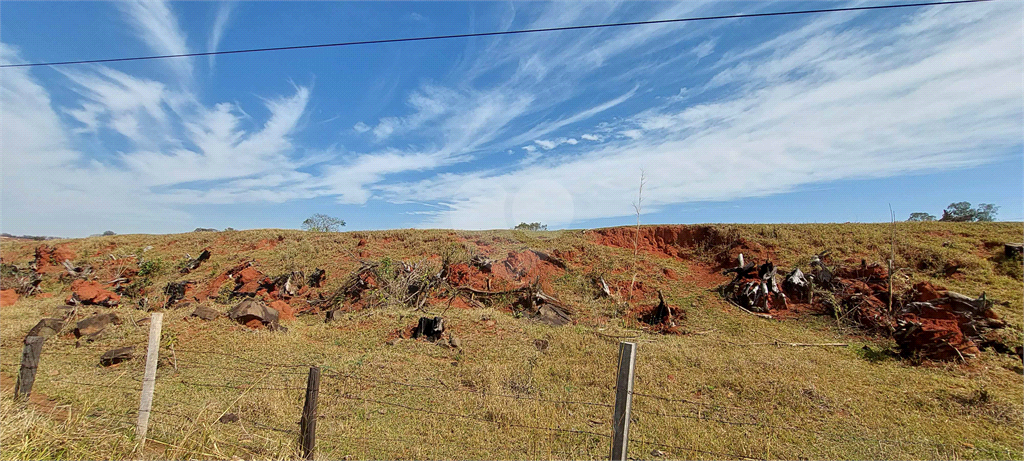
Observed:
{"x":340,"y":400}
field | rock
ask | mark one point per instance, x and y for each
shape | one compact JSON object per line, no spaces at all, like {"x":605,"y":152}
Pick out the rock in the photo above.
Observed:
{"x":46,"y":328}
{"x":8,"y":297}
{"x":95,"y":325}
{"x":228,"y":418}
{"x":92,"y":293}
{"x":540,"y":344}
{"x":115,"y":356}
{"x":251,"y":309}
{"x":206,"y":313}
{"x":455,"y":342}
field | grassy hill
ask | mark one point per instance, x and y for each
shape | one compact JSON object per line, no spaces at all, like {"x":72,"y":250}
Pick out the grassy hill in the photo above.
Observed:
{"x":501,"y":385}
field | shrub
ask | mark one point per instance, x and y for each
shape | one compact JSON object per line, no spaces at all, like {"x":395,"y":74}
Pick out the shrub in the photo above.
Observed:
{"x":535,"y":226}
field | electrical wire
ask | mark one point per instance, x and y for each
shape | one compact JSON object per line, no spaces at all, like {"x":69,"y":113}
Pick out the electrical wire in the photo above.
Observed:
{"x":492,"y":34}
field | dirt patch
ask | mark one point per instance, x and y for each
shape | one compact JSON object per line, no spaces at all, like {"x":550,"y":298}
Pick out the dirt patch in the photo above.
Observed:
{"x":212,"y":288}
{"x":49,"y":259}
{"x":268,"y":244}
{"x":8,"y":297}
{"x":660,"y":317}
{"x":284,"y":310}
{"x":682,"y":242}
{"x":517,"y":270}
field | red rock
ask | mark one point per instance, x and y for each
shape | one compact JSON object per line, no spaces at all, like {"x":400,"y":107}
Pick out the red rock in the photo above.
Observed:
{"x":670,"y":274}
{"x":284,"y":310}
{"x":255,"y":324}
{"x":44,"y":295}
{"x":92,"y":293}
{"x":362,"y":243}
{"x":8,"y":297}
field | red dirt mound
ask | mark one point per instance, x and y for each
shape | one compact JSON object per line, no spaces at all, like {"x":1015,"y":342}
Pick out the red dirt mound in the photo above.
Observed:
{"x":8,"y":297}
{"x":92,"y":293}
{"x":679,"y":241}
{"x":925,"y":291}
{"x":517,"y":270}
{"x":212,"y":288}
{"x":284,"y":310}
{"x":48,"y":259}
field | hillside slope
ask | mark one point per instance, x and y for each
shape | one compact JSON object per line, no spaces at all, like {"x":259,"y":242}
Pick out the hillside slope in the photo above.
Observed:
{"x":503,"y":382}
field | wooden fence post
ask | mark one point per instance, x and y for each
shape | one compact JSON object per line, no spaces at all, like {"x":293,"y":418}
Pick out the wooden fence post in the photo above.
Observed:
{"x":623,"y":401}
{"x":307,"y":424}
{"x":149,"y":379}
{"x":29,"y":363}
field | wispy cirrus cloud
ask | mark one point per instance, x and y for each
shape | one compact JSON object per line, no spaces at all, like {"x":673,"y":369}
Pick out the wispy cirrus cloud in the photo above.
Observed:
{"x":883,"y":103}
{"x":536,"y":128}
{"x":157,"y":26}
{"x":220,"y":23}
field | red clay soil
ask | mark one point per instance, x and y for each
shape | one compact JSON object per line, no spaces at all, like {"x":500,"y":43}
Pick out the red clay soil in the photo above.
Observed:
{"x":268,"y":244}
{"x":517,"y":270}
{"x":678,"y":241}
{"x":49,"y":259}
{"x":248,"y":281}
{"x":925,"y":291}
{"x":402,"y":333}
{"x":8,"y":297}
{"x":105,"y":250}
{"x":92,"y":293}
{"x":284,"y":310}
{"x":44,"y":295}
{"x":641,"y":292}
{"x":212,"y":288}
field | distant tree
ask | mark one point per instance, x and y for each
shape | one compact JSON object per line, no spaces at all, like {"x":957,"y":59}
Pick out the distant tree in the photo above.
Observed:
{"x":921,"y":217}
{"x":322,"y":223}
{"x":986,"y":212}
{"x":109,"y":233}
{"x":534,"y":226}
{"x":962,"y":212}
{"x":958,"y":212}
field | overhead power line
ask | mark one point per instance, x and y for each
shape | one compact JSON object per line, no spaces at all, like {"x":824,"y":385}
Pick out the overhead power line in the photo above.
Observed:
{"x":492,"y":34}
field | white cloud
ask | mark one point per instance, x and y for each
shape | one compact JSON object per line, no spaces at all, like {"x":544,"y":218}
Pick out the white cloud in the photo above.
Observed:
{"x":157,"y":25}
{"x":592,"y":137}
{"x":127,"y":103}
{"x":553,"y":143}
{"x":530,"y":149}
{"x":923,"y":102}
{"x":219,"y":24}
{"x":361,"y":127}
{"x":705,"y":48}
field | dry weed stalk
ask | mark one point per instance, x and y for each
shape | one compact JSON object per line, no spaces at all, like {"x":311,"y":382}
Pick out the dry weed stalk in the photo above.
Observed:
{"x":636,"y":238}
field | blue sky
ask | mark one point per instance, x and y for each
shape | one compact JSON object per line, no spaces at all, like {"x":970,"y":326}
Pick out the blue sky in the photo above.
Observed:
{"x":812,"y":118}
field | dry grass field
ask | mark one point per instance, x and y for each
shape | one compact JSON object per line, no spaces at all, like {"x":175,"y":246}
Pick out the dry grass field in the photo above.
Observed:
{"x":724,"y":388}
